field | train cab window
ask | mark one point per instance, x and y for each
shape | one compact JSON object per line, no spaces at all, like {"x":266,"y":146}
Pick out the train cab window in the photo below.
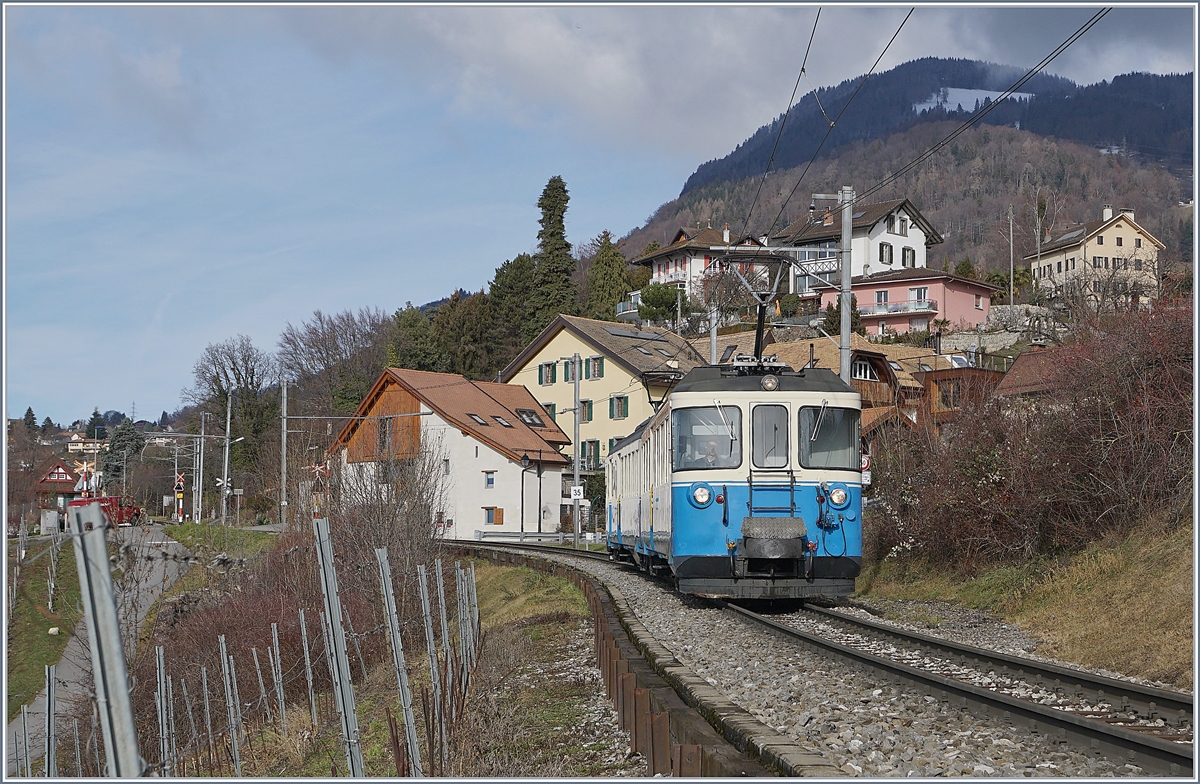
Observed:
{"x":706,"y":438}
{"x":769,"y":436}
{"x":829,"y":438}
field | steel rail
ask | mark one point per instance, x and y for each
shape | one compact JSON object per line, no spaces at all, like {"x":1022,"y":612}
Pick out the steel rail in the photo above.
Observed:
{"x":1173,"y":707}
{"x":1153,"y":754}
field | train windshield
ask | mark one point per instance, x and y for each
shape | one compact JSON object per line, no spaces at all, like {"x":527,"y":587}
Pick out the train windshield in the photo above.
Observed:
{"x":829,"y":438}
{"x":769,"y":436}
{"x":706,"y":438}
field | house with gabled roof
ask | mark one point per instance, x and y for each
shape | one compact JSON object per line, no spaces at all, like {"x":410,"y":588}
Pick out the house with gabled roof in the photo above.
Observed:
{"x":495,"y":451}
{"x":688,"y":261}
{"x":55,"y":485}
{"x":1108,"y":261}
{"x":626,"y":372}
{"x":888,"y":235}
{"x":1030,"y":375}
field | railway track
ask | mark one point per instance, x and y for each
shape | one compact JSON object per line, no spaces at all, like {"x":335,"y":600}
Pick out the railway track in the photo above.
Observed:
{"x":1145,"y":726}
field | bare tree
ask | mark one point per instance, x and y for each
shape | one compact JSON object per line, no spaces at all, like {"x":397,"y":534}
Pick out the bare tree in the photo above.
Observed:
{"x":334,"y":359}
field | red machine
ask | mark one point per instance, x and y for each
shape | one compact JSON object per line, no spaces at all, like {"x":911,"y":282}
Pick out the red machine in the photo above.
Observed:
{"x":119,"y":511}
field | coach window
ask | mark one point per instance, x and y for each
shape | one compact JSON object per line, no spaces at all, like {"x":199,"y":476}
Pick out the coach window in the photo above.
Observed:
{"x":769,"y":436}
{"x":829,"y":438}
{"x":706,"y":438}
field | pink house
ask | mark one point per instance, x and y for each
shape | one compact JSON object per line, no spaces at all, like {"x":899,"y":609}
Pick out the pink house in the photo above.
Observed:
{"x":910,"y":300}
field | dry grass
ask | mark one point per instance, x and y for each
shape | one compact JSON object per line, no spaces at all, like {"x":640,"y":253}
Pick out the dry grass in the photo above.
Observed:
{"x":1123,"y":605}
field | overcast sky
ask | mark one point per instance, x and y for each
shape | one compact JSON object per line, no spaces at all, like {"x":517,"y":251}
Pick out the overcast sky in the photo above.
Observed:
{"x":176,"y":176}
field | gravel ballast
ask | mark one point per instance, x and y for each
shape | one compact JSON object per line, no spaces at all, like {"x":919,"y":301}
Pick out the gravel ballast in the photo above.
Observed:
{"x":861,"y":725}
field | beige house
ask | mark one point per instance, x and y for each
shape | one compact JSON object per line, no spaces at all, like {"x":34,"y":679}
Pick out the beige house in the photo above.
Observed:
{"x":1108,"y":261}
{"x":625,"y":372}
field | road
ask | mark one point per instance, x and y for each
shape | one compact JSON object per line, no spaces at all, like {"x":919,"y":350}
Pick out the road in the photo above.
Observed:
{"x":152,"y":579}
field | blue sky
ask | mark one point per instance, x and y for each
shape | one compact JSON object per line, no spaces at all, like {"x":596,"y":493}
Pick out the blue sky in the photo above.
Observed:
{"x":176,"y":176}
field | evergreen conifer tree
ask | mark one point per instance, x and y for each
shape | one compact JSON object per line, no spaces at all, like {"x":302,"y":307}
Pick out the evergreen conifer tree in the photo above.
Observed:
{"x":554,"y":292}
{"x":413,"y":343}
{"x":124,"y":444}
{"x":607,"y":282}
{"x":97,"y":421}
{"x":30,"y":420}
{"x":508,"y":296}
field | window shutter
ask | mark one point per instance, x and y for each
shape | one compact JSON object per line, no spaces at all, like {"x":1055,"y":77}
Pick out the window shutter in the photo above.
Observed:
{"x":600,"y":367}
{"x":587,"y":368}
{"x":612,"y":409}
{"x":553,"y":372}
{"x":499,"y":516}
{"x":541,"y":374}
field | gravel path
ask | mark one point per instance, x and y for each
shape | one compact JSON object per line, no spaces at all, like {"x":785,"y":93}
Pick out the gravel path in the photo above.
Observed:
{"x":862,"y":726}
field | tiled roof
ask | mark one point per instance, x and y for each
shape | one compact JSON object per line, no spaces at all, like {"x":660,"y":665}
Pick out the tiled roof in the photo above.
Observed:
{"x":806,"y":230}
{"x":1029,"y":374}
{"x":825,"y":351}
{"x":453,"y":398}
{"x":696,"y":240}
{"x":46,"y":466}
{"x":919,"y":273}
{"x":514,"y":396}
{"x":1076,"y":235}
{"x":742,"y":342}
{"x":636,"y":349}
{"x":911,"y":358}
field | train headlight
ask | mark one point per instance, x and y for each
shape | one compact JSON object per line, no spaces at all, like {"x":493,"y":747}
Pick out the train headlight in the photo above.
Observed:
{"x":702,"y":495}
{"x":770,"y":383}
{"x":838,"y":497}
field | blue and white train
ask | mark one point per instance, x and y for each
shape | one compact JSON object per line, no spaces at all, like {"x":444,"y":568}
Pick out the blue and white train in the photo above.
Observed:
{"x":746,"y":484}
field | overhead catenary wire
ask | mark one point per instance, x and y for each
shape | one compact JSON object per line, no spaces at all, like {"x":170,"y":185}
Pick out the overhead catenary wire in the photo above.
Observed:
{"x":783,"y":124}
{"x":985,"y":110}
{"x":833,"y":124}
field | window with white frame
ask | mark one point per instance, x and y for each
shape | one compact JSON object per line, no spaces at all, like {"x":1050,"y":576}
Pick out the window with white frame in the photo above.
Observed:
{"x":618,"y":407}
{"x":861,"y":369}
{"x":918,"y":293}
{"x":904,"y":227}
{"x":979,"y":302}
{"x":908,"y":257}
{"x":547,"y":373}
{"x":489,"y":480}
{"x":881,"y":297}
{"x":885,"y":253}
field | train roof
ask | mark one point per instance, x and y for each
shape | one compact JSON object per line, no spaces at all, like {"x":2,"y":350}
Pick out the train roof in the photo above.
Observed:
{"x":731,"y":378}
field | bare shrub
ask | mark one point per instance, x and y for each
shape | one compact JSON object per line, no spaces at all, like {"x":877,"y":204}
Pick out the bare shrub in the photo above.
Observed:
{"x":1008,"y":480}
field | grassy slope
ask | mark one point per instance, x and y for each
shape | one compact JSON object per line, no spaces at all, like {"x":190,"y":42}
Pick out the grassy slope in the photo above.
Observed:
{"x":1123,"y":605}
{"x":30,"y":646}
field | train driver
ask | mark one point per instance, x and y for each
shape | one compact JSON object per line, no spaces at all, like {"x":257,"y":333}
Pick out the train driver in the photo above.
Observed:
{"x":710,"y":458}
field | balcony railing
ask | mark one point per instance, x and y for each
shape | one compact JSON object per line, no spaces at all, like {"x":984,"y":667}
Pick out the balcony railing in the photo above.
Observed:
{"x":625,"y":307}
{"x":903,"y":306}
{"x":679,"y":276}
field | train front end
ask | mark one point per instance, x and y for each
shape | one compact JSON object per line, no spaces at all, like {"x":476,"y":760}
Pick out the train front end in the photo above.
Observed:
{"x":766,"y":483}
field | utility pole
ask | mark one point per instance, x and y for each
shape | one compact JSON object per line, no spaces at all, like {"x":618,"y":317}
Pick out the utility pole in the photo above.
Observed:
{"x":283,"y":461}
{"x":200,"y":474}
{"x":1010,"y":255}
{"x":712,"y":336}
{"x":225,"y":471}
{"x":846,"y":197}
{"x":578,"y":447}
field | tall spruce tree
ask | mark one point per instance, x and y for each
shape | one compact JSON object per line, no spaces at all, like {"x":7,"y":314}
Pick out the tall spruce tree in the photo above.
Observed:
{"x":124,"y":445}
{"x":554,"y":292}
{"x":96,"y":422}
{"x":463,"y":331}
{"x":30,"y":420}
{"x":607,"y":282}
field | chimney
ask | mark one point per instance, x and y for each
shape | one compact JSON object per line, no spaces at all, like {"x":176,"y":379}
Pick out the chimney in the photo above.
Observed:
{"x":1128,"y":213}
{"x":1107,"y":214}
{"x":725,"y":234}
